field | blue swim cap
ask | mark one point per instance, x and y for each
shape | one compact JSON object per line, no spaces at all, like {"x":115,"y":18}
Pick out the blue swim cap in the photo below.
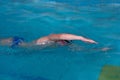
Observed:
{"x":16,"y":41}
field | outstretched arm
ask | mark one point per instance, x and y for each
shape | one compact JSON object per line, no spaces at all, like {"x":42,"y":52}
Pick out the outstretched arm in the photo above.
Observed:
{"x":70,"y":37}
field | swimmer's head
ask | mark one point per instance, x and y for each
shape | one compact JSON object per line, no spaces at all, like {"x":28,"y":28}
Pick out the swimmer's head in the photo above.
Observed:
{"x":16,"y":41}
{"x":63,"y":42}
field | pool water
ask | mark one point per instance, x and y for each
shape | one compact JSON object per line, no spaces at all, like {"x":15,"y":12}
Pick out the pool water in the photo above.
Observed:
{"x":34,"y":19}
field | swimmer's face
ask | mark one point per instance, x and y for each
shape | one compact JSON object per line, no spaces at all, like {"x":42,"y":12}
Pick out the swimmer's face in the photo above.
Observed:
{"x":62,"y":42}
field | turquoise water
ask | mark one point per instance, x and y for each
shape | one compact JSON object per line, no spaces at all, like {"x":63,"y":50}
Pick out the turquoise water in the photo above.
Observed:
{"x":32,"y":20}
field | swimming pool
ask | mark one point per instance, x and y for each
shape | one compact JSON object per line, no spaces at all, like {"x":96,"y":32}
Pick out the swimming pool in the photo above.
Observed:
{"x":34,"y":19}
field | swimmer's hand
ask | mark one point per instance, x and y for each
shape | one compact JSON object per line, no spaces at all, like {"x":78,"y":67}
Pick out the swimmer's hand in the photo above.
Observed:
{"x":90,"y":41}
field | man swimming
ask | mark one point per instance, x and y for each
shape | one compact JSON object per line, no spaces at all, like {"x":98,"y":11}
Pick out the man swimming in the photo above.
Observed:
{"x":60,"y":39}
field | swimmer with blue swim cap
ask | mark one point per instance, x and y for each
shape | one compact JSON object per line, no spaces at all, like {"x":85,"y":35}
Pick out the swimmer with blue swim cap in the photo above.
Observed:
{"x":60,"y":39}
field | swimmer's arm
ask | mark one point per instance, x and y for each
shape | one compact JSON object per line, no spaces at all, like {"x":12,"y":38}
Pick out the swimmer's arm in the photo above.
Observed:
{"x":28,"y":44}
{"x":70,"y":37}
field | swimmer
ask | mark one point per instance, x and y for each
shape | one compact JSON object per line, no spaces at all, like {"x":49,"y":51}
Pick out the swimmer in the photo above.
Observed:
{"x":60,"y":39}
